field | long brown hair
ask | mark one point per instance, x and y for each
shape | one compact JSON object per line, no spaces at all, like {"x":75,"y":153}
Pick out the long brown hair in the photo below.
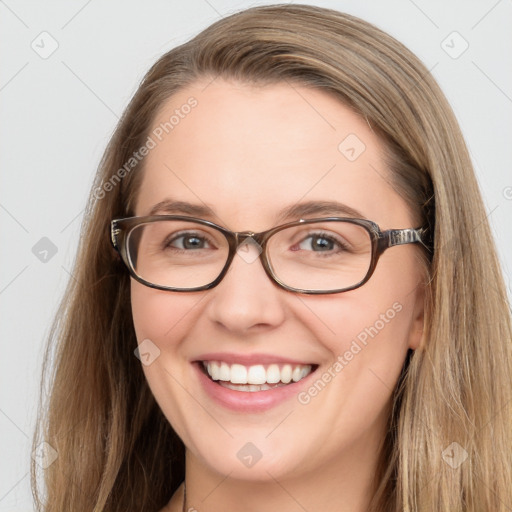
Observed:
{"x":116,"y":450}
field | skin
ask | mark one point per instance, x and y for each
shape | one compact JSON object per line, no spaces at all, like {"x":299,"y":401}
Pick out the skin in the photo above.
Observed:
{"x":247,"y":152}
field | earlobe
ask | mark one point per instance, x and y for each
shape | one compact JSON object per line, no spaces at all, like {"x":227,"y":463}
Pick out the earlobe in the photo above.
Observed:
{"x":417,"y":337}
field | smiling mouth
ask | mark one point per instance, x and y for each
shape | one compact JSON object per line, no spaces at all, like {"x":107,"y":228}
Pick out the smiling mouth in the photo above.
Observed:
{"x":254,"y":378}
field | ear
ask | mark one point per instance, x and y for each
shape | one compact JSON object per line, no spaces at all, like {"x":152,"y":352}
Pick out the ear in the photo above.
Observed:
{"x":417,"y":329}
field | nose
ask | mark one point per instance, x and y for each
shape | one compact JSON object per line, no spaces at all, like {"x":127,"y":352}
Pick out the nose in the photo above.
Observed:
{"x":246,"y":300}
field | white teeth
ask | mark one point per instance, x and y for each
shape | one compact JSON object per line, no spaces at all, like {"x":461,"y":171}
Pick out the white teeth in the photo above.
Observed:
{"x":273,"y":374}
{"x":297,"y":374}
{"x":256,"y":377}
{"x":213,"y":370}
{"x":224,"y":372}
{"x":286,"y":373}
{"x":248,"y":387}
{"x":238,"y":374}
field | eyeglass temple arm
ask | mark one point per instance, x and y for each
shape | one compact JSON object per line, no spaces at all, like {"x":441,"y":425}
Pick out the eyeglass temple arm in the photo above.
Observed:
{"x":394,"y":237}
{"x":114,"y":232}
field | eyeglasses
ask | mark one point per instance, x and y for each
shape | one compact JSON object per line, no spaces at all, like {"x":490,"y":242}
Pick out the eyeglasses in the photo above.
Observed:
{"x":311,"y":256}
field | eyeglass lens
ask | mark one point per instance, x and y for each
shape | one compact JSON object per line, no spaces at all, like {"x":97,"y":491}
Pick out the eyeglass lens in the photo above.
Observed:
{"x":318,"y":256}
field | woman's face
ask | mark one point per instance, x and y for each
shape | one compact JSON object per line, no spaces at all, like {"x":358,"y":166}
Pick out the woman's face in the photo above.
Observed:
{"x":240,"y":156}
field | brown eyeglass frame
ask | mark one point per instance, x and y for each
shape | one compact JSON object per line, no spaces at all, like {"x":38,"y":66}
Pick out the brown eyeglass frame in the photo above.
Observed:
{"x":380,"y":240}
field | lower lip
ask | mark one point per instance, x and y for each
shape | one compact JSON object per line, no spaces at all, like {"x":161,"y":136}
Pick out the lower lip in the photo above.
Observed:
{"x":248,"y":401}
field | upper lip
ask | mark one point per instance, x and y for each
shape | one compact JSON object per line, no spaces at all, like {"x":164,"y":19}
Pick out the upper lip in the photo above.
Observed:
{"x":249,"y":359}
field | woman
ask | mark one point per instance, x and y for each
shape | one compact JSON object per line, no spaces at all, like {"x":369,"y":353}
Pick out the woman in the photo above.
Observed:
{"x":287,"y":295}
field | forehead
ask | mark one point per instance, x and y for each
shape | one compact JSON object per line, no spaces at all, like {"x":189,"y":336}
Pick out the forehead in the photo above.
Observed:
{"x":247,"y":152}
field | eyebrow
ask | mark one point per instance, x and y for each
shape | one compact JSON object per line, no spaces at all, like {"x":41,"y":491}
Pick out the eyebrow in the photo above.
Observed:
{"x":168,"y":206}
{"x":294,"y":212}
{"x":322,"y":208}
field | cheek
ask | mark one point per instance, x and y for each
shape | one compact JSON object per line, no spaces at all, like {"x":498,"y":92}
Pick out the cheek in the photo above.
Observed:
{"x":367,"y":340}
{"x":368,"y":330}
{"x":360,"y":329}
{"x":161,"y":316}
{"x":161,"y":321}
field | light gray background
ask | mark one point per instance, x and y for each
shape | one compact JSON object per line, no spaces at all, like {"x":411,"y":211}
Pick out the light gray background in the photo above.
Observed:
{"x":59,"y":112}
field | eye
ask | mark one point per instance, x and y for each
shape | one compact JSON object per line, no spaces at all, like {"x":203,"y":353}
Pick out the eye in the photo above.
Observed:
{"x":188,"y":241}
{"x":320,"y":242}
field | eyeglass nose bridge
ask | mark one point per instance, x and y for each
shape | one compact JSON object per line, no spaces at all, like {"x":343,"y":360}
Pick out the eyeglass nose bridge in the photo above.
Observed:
{"x":259,"y":242}
{"x":241,"y":243}
{"x":237,"y":241}
{"x":243,"y":240}
{"x":242,"y":236}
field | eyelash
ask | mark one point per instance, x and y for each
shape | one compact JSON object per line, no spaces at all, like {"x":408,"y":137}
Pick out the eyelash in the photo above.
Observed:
{"x":187,"y":234}
{"x":327,"y":236}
